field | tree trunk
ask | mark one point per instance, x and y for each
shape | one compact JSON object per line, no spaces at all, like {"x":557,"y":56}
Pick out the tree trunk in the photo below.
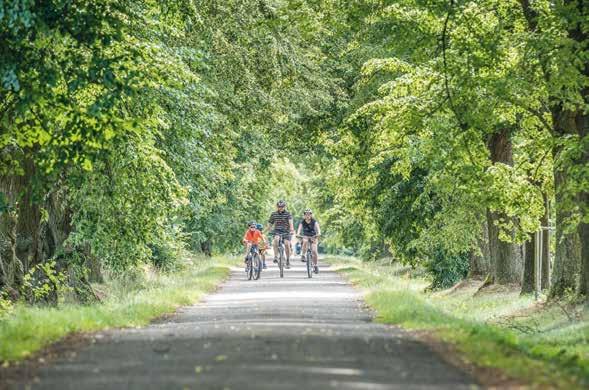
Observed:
{"x":584,"y":244}
{"x":10,"y":265}
{"x":504,"y":256}
{"x":27,"y":237}
{"x":567,"y":259}
{"x":479,"y":259}
{"x":571,"y":247}
{"x":29,"y":220}
{"x":40,"y":237}
{"x":206,"y":247}
{"x":11,"y":268}
{"x":583,"y":229}
{"x":529,"y":266}
{"x":582,"y":122}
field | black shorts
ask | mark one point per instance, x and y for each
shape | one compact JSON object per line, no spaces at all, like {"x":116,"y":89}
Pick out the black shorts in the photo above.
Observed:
{"x":284,"y":235}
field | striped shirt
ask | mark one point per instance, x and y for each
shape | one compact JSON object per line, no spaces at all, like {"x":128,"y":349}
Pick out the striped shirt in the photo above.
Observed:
{"x":280,"y":220}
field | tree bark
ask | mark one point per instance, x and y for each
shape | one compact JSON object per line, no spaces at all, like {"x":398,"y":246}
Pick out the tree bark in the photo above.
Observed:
{"x":584,"y":249}
{"x":29,"y":220}
{"x":26,"y":237}
{"x":206,"y":247}
{"x":504,"y":255}
{"x":11,"y":268}
{"x":479,"y":260}
{"x":529,"y":265}
{"x":583,"y":229}
{"x":582,"y":124}
{"x":567,"y":259}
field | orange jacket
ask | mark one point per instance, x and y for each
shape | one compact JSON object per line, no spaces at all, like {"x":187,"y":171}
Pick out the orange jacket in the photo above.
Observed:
{"x":254,"y":236}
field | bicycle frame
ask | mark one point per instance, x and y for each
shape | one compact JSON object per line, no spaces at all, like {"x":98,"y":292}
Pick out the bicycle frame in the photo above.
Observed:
{"x":281,"y":250}
{"x":251,"y":272}
{"x":309,"y":256}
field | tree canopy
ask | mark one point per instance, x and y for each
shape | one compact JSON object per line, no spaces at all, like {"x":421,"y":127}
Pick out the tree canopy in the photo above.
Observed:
{"x":442,"y":133}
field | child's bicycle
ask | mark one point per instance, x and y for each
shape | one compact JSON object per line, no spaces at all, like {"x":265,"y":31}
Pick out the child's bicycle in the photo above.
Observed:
{"x":253,"y":267}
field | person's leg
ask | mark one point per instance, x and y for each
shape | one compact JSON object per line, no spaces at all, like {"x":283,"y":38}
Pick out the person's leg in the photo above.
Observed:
{"x":315,"y":253}
{"x":247,"y":249}
{"x":275,"y":247}
{"x":315,"y":256}
{"x":287,"y":247}
{"x":263,"y":257}
{"x":304,"y":248}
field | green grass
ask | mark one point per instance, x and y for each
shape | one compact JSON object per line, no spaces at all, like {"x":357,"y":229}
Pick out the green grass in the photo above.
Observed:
{"x":541,"y":344}
{"x":128,"y":303}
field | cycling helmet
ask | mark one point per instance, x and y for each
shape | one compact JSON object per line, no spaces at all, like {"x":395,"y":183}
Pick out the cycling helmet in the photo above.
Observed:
{"x":308,"y":211}
{"x":259,"y":226}
{"x":281,"y":203}
{"x":251,"y":223}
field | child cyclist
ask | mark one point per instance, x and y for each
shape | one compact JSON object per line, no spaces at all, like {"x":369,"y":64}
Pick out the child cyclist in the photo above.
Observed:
{"x":251,"y":237}
{"x":263,"y":245}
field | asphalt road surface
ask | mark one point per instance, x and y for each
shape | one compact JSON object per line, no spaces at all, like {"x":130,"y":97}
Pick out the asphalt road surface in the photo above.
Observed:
{"x":291,"y":333}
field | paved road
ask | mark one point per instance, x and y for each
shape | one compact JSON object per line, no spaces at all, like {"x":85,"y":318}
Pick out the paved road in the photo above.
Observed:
{"x":292,"y":333}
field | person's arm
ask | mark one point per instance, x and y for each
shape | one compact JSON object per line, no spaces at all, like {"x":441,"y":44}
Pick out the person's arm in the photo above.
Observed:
{"x":299,"y":229}
{"x":317,"y":229}
{"x":291,"y":225}
{"x":270,"y":223}
{"x":244,"y":240}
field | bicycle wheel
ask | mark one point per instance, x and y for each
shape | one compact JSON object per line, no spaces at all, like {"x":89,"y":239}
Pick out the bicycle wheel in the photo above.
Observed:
{"x":257,"y":266}
{"x":250,"y":268}
{"x":281,"y":262}
{"x":309,"y":264}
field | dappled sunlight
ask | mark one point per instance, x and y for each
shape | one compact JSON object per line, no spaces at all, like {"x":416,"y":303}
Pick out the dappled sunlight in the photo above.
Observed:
{"x":282,"y":295}
{"x":291,"y":331}
{"x":310,"y":369}
{"x":433,"y":154}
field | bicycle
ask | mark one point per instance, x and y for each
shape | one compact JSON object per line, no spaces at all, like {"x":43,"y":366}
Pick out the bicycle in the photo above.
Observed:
{"x":309,"y":256}
{"x":281,"y":259}
{"x":253,"y":267}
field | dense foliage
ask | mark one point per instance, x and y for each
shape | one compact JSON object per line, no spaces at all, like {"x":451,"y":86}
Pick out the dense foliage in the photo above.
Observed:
{"x":441,"y":133}
{"x":467,"y":125}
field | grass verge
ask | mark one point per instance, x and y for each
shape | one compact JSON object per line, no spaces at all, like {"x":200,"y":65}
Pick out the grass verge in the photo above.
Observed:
{"x":545,"y":345}
{"x":128,"y":302}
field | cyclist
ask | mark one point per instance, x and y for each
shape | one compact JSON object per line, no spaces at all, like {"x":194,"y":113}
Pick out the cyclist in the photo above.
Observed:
{"x":264,"y":244}
{"x":251,"y":237}
{"x":281,"y":222}
{"x":310,"y":229}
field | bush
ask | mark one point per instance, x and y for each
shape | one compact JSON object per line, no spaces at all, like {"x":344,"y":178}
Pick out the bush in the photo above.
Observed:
{"x":446,"y":270}
{"x":165,"y":256}
{"x":5,"y":305}
{"x":44,"y":284}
